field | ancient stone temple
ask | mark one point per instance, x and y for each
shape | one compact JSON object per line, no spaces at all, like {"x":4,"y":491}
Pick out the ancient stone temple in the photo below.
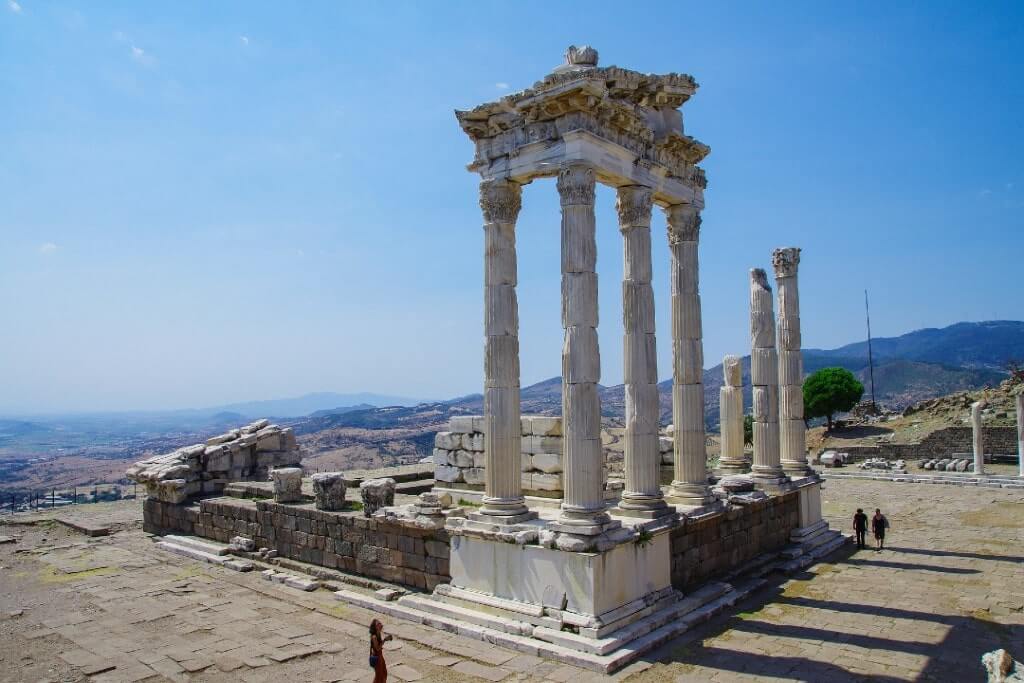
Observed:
{"x":523,"y":541}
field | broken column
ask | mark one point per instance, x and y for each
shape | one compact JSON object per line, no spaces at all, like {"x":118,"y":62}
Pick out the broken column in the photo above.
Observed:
{"x":730,"y":406}
{"x":642,"y":459}
{"x":978,"y":438}
{"x":583,"y":461}
{"x":792,"y":430}
{"x":503,"y":499}
{"x":287,"y":484}
{"x":377,"y":494}
{"x":690,"y":483}
{"x":329,"y":490}
{"x":764,"y":376}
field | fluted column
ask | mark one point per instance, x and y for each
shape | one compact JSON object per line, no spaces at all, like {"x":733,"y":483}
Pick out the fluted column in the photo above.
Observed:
{"x":503,"y":498}
{"x":583,"y":464}
{"x":730,"y":411}
{"x":978,"y":437}
{"x":690,"y":483}
{"x":792,"y":430}
{"x":642,"y":494}
{"x":764,"y":376}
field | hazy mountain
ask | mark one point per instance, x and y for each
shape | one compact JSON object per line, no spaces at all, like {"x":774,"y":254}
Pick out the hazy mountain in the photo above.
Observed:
{"x":310,"y":403}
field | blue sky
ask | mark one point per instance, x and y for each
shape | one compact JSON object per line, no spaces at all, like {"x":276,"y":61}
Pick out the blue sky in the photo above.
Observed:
{"x":213,"y":202}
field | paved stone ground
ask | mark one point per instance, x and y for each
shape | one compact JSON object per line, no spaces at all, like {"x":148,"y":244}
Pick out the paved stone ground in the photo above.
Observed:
{"x":949,"y":587}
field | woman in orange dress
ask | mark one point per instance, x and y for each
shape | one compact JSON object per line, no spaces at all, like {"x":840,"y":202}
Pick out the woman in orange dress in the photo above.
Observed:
{"x":377,"y":640}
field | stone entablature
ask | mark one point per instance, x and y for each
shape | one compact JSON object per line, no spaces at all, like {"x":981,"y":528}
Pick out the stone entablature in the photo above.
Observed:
{"x":244,"y":454}
{"x":636,"y":114}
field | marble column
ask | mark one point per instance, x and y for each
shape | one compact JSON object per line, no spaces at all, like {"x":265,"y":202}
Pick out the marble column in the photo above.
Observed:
{"x":978,"y":437}
{"x":792,"y":430}
{"x":1019,"y":403}
{"x":764,"y":376}
{"x":503,"y":500}
{"x":642,"y":495}
{"x":582,"y":457}
{"x":690,"y":482}
{"x":730,"y":412}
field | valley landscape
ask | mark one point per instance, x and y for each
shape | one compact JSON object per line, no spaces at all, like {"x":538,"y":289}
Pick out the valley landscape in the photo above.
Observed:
{"x":362,"y":431}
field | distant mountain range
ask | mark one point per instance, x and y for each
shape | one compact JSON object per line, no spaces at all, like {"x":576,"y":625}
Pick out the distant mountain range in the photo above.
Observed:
{"x":310,"y":403}
{"x":909,"y":368}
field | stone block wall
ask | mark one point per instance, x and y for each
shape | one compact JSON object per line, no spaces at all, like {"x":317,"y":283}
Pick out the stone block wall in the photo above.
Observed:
{"x":245,"y":454}
{"x":384,"y":549}
{"x":459,"y":455}
{"x":940,"y":443}
{"x":712,"y":546}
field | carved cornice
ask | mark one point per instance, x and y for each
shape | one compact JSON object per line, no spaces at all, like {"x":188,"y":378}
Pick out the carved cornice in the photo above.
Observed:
{"x":500,"y":200}
{"x":633,"y":202}
{"x":576,"y":185}
{"x":785,"y":261}
{"x":683,"y":223}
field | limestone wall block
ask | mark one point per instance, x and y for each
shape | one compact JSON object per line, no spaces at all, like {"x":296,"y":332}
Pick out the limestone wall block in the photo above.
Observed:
{"x":541,"y":425}
{"x":640,"y":358}
{"x":377,"y":494}
{"x":549,"y":463}
{"x":637,"y":307}
{"x":447,"y":440}
{"x":218,"y":458}
{"x":447,"y":473}
{"x":461,"y":424}
{"x":501,"y":310}
{"x":791,"y":401}
{"x":288,"y":442}
{"x":542,"y":444}
{"x":579,"y":300}
{"x":546,"y":482}
{"x":268,"y":441}
{"x":441,"y":456}
{"x":764,"y":367}
{"x":526,"y":462}
{"x":526,"y":481}
{"x":461,"y":458}
{"x":581,"y":357}
{"x":501,"y":361}
{"x":688,"y":361}
{"x":791,"y":368}
{"x":473,"y":442}
{"x":474,"y":475}
{"x":479,"y":458}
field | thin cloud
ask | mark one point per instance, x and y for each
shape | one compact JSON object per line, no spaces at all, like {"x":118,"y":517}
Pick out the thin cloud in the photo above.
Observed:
{"x":501,"y":85}
{"x":47,"y":248}
{"x":244,"y":40}
{"x":13,"y":6}
{"x":984,"y":193}
{"x":142,"y":57}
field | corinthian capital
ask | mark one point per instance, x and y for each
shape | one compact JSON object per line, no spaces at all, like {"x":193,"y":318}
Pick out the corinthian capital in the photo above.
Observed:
{"x":683,"y":223}
{"x":634,"y":206}
{"x":576,"y":185}
{"x":785,"y":261}
{"x":500,"y":200}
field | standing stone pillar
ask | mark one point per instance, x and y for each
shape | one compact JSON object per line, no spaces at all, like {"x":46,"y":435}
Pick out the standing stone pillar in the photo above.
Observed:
{"x":690,"y":482}
{"x":792,"y":430}
{"x":1019,"y":403}
{"x":978,"y":437}
{"x":730,"y":411}
{"x":642,"y":495}
{"x":764,"y":376}
{"x":583,"y":462}
{"x":503,"y":500}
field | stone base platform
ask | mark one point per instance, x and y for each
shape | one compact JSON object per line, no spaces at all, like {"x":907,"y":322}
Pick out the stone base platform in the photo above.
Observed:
{"x":966,"y":479}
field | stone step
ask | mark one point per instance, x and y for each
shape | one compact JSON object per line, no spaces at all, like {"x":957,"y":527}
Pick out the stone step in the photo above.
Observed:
{"x":202,"y":556}
{"x":415,"y":487}
{"x":197,"y":543}
{"x":456,"y":612}
{"x":831,"y":546}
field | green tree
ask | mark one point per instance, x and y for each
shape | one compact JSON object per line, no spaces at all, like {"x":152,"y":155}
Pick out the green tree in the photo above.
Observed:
{"x":748,"y":430}
{"x":830,"y":391}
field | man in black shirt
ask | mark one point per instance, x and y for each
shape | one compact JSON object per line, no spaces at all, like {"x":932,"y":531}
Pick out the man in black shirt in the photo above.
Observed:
{"x":860,"y":527}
